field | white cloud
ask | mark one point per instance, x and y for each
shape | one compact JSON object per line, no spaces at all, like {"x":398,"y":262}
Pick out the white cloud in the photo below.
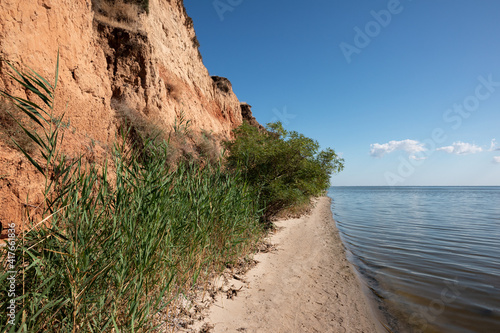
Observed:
{"x":493,"y":146}
{"x":410,"y":146}
{"x":496,"y":159}
{"x":461,"y":148}
{"x":421,"y":158}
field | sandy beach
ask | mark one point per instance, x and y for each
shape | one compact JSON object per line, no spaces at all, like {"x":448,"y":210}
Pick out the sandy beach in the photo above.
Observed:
{"x":305,"y":285}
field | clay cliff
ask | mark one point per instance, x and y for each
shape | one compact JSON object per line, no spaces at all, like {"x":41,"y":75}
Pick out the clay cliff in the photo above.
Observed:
{"x":136,"y":59}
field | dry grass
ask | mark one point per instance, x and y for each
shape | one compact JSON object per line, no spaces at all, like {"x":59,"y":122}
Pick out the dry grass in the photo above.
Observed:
{"x":115,"y":24}
{"x":173,"y":91}
{"x":139,"y":124}
{"x":183,"y":144}
{"x":208,"y":147}
{"x":117,"y":13}
{"x":296,"y":211}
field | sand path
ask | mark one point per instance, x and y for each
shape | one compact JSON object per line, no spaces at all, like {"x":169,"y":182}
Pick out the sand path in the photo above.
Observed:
{"x":307,"y":285}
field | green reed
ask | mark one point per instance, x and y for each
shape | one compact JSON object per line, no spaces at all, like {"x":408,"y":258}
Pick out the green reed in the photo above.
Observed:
{"x":111,"y":250}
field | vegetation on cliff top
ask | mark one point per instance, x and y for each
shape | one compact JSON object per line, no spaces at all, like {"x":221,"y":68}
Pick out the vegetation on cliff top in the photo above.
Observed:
{"x":112,"y":249}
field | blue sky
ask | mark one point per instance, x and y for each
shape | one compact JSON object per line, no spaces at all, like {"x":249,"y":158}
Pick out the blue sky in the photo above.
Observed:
{"x":407,"y":91}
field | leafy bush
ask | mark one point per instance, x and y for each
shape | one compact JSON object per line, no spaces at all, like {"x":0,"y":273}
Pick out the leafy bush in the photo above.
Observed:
{"x":287,"y":167}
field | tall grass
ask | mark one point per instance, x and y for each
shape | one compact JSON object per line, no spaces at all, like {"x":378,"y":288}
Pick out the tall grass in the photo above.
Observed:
{"x":110,"y":251}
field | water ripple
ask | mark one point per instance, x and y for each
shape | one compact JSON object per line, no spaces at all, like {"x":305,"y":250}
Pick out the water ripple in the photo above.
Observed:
{"x":430,"y":255}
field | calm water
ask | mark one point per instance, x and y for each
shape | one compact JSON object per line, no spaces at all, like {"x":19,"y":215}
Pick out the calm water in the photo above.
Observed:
{"x":429,"y":255}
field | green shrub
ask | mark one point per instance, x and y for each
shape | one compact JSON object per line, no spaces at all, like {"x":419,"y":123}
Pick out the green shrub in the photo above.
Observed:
{"x":287,"y":167}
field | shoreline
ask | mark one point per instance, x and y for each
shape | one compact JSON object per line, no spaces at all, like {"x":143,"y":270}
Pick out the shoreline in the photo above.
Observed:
{"x":305,"y":285}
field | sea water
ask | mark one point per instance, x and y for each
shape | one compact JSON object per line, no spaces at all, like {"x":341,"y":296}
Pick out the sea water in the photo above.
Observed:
{"x":430,"y":256}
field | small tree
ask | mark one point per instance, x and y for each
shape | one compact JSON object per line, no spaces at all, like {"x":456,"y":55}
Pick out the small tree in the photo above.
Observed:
{"x":286,"y":167}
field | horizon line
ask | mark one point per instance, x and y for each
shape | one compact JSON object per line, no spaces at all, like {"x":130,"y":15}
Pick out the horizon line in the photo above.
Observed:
{"x":415,"y":186}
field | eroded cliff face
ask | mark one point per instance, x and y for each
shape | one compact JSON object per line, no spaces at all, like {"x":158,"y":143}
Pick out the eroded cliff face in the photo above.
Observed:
{"x":115,"y":59}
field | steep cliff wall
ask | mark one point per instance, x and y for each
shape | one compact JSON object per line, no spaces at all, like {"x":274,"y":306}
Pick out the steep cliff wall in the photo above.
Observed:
{"x":115,"y":59}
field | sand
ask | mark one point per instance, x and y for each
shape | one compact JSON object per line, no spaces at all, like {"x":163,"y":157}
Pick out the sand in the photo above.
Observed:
{"x":305,"y":285}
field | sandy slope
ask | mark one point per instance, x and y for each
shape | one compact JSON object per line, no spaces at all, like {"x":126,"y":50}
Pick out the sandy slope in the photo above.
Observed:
{"x":307,"y":285}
